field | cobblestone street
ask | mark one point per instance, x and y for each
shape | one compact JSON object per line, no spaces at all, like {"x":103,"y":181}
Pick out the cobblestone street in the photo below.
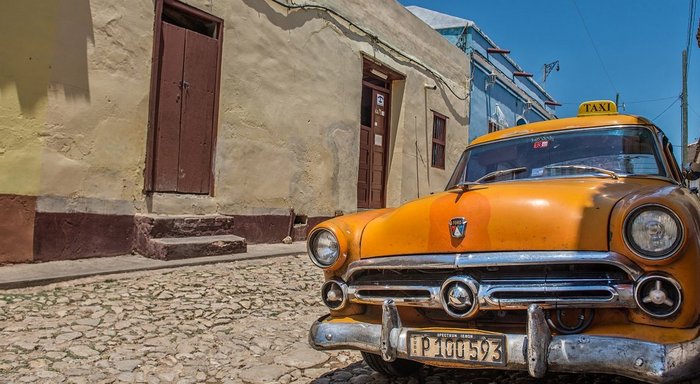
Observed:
{"x":243,"y":322}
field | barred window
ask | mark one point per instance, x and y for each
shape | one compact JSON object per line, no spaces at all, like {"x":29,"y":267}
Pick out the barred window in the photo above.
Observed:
{"x":494,"y":126}
{"x":439,"y":136}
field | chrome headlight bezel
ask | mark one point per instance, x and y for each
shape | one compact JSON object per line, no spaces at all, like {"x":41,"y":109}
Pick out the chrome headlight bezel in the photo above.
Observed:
{"x":311,"y":247}
{"x":647,"y":307}
{"x":342,"y":287}
{"x":650,"y":255}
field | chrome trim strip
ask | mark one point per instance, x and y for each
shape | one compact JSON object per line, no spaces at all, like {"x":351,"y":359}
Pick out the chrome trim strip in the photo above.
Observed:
{"x":620,"y":295}
{"x":493,"y":259}
{"x":401,"y":262}
{"x":651,"y":362}
{"x":661,"y":151}
{"x":432,"y":301}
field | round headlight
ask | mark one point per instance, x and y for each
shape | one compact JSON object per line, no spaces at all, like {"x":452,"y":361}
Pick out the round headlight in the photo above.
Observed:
{"x":653,"y":232}
{"x":324,"y":248}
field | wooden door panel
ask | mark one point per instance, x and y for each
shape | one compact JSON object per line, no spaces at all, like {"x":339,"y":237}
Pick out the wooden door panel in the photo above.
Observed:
{"x":378,"y":148}
{"x":199,"y":79}
{"x":169,"y":108}
{"x":195,"y":142}
{"x":373,"y":144}
{"x":378,"y":160}
{"x":376,"y":198}
{"x":363,"y":178}
{"x":201,"y":53}
{"x":364,"y":175}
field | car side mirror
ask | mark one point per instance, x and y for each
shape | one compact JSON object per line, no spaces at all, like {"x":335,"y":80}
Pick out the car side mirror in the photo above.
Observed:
{"x":692,"y":171}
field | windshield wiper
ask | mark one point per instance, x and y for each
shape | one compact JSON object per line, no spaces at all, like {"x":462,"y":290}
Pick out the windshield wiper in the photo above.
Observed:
{"x":499,"y":173}
{"x":585,"y":168}
{"x":465,"y":185}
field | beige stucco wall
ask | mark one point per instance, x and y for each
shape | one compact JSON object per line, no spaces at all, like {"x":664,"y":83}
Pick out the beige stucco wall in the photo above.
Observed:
{"x":74,"y":89}
{"x":74,"y":118}
{"x":24,"y":80}
{"x":290,"y":105}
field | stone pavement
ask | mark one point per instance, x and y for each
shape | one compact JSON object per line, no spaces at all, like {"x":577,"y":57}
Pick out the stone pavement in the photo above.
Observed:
{"x":241,"y":322}
{"x":28,"y":275}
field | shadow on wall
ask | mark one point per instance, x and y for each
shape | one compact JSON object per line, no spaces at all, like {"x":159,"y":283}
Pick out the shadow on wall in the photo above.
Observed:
{"x":44,"y":47}
{"x":293,"y":19}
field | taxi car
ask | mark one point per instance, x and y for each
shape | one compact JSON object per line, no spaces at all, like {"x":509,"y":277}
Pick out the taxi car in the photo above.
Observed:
{"x":568,"y":245}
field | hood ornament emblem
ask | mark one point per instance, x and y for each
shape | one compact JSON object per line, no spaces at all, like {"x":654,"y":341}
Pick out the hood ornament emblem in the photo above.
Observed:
{"x":458,"y":226}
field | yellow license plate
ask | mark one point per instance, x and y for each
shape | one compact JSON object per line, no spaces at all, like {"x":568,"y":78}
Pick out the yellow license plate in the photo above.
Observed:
{"x":456,"y":346}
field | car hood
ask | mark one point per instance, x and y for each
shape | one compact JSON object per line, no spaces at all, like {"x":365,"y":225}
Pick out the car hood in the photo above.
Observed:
{"x":534,"y":215}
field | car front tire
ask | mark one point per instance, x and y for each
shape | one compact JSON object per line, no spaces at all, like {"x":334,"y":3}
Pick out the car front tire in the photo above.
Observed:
{"x":397,"y":368}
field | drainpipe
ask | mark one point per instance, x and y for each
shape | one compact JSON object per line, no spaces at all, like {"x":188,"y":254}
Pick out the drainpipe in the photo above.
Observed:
{"x":415,"y":128}
{"x":428,"y":147}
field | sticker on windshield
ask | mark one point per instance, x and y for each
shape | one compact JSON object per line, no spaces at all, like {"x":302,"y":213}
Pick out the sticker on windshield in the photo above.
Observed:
{"x":541,"y":138}
{"x":537,"y":172}
{"x":540,"y":144}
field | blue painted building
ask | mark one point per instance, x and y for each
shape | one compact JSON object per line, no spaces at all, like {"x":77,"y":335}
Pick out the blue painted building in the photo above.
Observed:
{"x":502,"y":94}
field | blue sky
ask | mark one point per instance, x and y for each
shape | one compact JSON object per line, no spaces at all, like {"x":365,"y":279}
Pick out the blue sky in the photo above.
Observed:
{"x":639,"y":41}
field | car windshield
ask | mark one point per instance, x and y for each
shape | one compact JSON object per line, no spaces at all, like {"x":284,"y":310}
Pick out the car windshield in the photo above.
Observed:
{"x":605,"y":152}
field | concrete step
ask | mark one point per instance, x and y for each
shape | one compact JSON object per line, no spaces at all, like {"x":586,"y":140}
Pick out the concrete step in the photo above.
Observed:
{"x":169,"y":237}
{"x":171,"y":248}
{"x":162,"y":226}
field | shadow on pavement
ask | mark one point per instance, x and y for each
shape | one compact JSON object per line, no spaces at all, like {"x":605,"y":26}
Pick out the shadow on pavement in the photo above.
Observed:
{"x":360,"y":373}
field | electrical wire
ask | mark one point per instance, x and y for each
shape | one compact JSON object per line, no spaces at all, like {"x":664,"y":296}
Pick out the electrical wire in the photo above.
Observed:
{"x":691,"y":21}
{"x":667,"y":108}
{"x":629,"y":102}
{"x":693,"y":109}
{"x":375,"y":39}
{"x":590,"y":37}
{"x":650,"y":100}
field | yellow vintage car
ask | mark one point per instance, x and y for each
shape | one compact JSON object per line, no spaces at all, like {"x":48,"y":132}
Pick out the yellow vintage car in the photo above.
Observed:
{"x":568,"y":245}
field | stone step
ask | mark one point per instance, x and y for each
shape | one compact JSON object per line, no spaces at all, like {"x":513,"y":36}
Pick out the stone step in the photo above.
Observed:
{"x":171,"y":248}
{"x":163,"y":226}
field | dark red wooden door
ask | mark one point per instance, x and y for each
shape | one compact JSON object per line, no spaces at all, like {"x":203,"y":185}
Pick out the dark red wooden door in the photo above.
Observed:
{"x":167,"y":146}
{"x":381,"y":100}
{"x":196,"y":131}
{"x":184,"y":132}
{"x":364,"y":172}
{"x":373,"y":142}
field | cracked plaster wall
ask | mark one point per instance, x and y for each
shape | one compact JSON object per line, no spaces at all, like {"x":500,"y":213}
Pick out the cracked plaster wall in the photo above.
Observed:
{"x":290,"y":102}
{"x":74,"y":120}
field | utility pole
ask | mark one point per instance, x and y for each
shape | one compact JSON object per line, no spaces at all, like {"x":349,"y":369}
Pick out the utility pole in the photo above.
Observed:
{"x":684,"y":111}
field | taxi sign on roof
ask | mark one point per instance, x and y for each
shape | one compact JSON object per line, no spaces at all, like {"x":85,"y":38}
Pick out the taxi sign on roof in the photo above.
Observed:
{"x":597,"y":107}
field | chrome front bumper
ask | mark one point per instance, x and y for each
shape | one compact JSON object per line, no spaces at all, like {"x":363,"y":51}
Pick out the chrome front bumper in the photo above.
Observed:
{"x":537,"y":351}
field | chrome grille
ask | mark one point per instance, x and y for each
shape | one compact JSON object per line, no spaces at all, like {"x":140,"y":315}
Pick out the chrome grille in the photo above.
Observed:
{"x":511,"y":281}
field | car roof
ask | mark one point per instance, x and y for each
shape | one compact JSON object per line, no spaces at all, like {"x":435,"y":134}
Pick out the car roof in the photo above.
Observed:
{"x":562,"y":124}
